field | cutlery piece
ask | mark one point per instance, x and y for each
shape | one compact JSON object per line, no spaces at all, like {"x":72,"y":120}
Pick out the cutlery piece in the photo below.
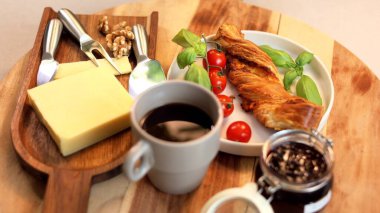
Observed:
{"x":148,"y":72}
{"x":49,"y":65}
{"x":87,"y":44}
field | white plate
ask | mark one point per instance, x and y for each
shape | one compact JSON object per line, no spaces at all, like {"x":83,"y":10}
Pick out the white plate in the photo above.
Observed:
{"x":316,"y":69}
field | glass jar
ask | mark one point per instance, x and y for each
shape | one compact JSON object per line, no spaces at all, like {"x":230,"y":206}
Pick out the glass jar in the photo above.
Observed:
{"x":304,"y":181}
{"x":296,"y":168}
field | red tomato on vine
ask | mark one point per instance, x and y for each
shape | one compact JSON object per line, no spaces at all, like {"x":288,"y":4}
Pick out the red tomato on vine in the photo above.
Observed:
{"x":218,"y":80}
{"x":227,"y":104}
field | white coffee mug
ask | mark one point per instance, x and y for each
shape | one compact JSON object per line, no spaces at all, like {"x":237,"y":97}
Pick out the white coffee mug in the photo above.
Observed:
{"x":174,"y":168}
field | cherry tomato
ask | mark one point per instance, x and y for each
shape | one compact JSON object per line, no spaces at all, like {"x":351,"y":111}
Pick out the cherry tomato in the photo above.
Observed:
{"x":218,"y":80}
{"x":239,"y":131}
{"x":215,"y":58}
{"x":227,"y":104}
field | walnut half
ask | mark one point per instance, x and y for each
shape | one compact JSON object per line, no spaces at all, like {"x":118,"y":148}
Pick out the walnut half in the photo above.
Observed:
{"x":103,"y":25}
{"x":120,"y":39}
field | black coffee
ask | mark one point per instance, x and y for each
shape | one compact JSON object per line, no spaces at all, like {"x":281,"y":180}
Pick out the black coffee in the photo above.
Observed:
{"x":177,"y":122}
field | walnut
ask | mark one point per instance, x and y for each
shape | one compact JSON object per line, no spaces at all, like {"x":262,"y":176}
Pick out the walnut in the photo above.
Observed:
{"x":120,"y":26}
{"x":103,"y":26}
{"x":124,"y":32}
{"x":120,"y":40}
{"x":109,"y":38}
{"x":119,"y":45}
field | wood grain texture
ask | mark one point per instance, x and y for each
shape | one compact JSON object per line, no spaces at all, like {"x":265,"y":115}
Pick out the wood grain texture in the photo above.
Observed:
{"x":355,"y":127}
{"x":18,"y":188}
{"x":211,"y":15}
{"x":353,"y":123}
{"x":69,"y":178}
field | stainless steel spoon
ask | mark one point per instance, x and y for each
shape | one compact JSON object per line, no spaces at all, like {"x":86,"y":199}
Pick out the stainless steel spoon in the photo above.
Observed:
{"x":148,"y":72}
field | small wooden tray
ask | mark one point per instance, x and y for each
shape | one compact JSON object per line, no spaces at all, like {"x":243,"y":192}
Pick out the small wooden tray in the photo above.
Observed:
{"x":70,"y":178}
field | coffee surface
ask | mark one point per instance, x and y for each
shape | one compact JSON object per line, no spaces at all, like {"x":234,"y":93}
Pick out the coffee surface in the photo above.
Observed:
{"x":177,"y":122}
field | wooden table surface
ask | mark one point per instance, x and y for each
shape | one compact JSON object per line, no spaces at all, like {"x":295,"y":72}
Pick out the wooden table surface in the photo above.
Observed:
{"x":353,"y":124}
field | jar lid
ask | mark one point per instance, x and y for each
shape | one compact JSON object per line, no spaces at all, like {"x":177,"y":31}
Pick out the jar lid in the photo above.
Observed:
{"x":247,"y":193}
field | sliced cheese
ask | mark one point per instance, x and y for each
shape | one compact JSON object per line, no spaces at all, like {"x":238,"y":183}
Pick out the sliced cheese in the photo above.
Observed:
{"x":66,"y":69}
{"x":82,"y":109}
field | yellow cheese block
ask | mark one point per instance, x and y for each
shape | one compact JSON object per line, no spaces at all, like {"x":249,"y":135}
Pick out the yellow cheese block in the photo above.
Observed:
{"x":66,"y":69}
{"x":82,"y":109}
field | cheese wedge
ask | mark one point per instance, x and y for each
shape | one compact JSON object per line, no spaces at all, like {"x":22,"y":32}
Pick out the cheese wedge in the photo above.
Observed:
{"x":66,"y":69}
{"x":82,"y":109}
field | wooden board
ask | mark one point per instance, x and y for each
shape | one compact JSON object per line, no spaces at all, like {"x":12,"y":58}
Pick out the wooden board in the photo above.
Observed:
{"x":70,"y":178}
{"x":353,"y":123}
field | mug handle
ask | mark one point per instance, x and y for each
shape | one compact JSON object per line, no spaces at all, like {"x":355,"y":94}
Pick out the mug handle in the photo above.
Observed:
{"x":141,"y":151}
{"x":248,"y":193}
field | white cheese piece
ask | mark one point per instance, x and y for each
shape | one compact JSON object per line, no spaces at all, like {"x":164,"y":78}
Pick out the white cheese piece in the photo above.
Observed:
{"x":66,"y":69}
{"x":82,"y":109}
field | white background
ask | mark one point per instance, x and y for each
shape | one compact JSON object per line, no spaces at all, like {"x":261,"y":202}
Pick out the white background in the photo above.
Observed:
{"x":355,"y":24}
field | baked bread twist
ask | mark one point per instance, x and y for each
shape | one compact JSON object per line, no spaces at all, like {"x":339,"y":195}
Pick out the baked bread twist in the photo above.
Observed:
{"x":258,"y":83}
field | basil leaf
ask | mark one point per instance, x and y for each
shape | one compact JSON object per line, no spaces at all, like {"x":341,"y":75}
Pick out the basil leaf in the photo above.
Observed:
{"x":186,"y":38}
{"x":186,"y":57}
{"x":199,"y":75}
{"x":200,"y":49}
{"x":299,"y":70}
{"x":304,"y":58}
{"x":280,"y":58}
{"x":307,"y":89}
{"x":289,"y":77}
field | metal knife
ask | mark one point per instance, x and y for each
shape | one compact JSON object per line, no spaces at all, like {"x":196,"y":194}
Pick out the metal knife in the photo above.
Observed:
{"x":49,"y":65}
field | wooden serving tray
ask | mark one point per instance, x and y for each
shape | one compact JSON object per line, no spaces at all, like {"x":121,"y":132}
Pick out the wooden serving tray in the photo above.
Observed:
{"x":70,"y":178}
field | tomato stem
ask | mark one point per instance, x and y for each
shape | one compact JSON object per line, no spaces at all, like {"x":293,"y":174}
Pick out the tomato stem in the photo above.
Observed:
{"x":208,"y":65}
{"x":218,"y":48}
{"x":220,"y":68}
{"x":218,"y":45}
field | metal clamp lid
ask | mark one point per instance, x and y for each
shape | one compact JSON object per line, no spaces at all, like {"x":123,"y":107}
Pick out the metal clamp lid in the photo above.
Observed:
{"x":328,"y":142}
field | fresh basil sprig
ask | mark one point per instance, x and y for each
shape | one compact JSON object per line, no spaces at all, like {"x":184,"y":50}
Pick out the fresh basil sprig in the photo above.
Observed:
{"x":304,"y":58}
{"x":289,"y":77}
{"x":305,"y":87}
{"x":200,"y":49}
{"x":186,"y":57}
{"x":280,"y":58}
{"x":199,"y":75}
{"x":193,"y":48}
{"x":185,"y":38}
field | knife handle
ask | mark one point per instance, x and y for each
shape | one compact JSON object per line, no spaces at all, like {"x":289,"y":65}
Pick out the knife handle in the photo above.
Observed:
{"x":72,"y":24}
{"x":140,"y":43}
{"x":51,"y":38}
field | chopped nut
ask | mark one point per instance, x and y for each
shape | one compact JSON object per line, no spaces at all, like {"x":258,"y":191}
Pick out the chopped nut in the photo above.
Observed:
{"x":109,"y":39}
{"x":120,"y":26}
{"x":120,"y":46}
{"x":103,"y":25}
{"x":119,"y":41}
